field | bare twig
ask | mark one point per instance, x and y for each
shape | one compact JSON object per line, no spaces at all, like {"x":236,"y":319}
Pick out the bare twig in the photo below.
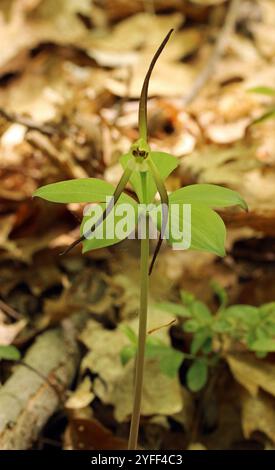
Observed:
{"x":153,"y":330}
{"x":218,"y":51}
{"x":8,"y":310}
{"x":27,"y":122}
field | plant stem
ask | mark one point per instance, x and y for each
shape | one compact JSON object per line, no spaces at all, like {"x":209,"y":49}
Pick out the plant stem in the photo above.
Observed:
{"x":139,"y":369}
{"x":144,"y":263}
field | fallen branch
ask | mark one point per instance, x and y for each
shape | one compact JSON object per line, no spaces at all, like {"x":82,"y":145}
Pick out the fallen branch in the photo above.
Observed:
{"x":28,"y":399}
{"x":217,"y":52}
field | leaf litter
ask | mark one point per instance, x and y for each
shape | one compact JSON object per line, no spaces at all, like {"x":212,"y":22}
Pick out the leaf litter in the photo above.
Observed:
{"x":78,"y":70}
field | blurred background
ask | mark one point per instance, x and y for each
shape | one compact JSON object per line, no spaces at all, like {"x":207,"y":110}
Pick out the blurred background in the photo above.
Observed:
{"x":70,"y":78}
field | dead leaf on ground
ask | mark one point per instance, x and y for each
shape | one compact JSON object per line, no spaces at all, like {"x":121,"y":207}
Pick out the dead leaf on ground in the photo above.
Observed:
{"x":252,"y":373}
{"x":258,"y":414}
{"x":82,"y":396}
{"x":115,"y":383}
{"x":8,"y":332}
{"x":90,"y":434}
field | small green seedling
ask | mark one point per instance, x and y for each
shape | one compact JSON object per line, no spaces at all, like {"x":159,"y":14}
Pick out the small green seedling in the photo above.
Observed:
{"x":169,"y":359}
{"x":146,"y":170}
{"x":9,"y":353}
{"x":251,"y":327}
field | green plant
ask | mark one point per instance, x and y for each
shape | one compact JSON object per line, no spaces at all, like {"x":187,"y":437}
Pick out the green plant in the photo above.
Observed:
{"x":9,"y":353}
{"x":251,"y":327}
{"x":146,"y":172}
{"x":169,"y":358}
{"x":270,"y":113}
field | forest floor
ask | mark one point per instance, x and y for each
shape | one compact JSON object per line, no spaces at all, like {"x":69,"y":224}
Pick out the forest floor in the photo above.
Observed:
{"x":70,"y":79}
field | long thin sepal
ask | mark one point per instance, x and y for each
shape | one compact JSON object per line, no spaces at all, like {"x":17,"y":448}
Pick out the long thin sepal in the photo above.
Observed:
{"x":119,"y":189}
{"x":142,"y":112}
{"x":165,"y":205}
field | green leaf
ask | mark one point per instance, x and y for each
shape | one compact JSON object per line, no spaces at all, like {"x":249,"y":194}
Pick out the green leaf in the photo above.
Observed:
{"x":170,"y":359}
{"x":130,"y":333}
{"x":207,"y":229}
{"x":220,"y":293}
{"x":270,"y":327}
{"x":261,"y":354}
{"x":208,"y":194}
{"x":78,"y":190}
{"x":127,"y":353}
{"x":267,"y":309}
{"x":263,"y":90}
{"x":165,"y":164}
{"x":191,"y":326}
{"x":222,"y":326}
{"x":263,"y":345}
{"x":197,"y":375}
{"x":187,"y":298}
{"x":201,"y":312}
{"x":200,"y":338}
{"x":270,"y":114}
{"x":265,"y":117}
{"x":207,"y":346}
{"x":175,"y":309}
{"x":250,"y":338}
{"x":247,"y":314}
{"x":102,"y":235}
{"x":10,"y":353}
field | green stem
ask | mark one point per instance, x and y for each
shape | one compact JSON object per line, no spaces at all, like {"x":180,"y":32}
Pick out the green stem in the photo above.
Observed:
{"x":139,"y":369}
{"x":144,"y":263}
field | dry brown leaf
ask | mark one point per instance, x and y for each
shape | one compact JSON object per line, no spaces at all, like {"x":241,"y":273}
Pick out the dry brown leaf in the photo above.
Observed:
{"x":9,"y":332}
{"x":208,"y":2}
{"x":161,"y":394}
{"x":253,"y":373}
{"x":7,"y":224}
{"x":263,"y":30}
{"x":228,"y":132}
{"x":146,"y":31}
{"x":82,"y":396}
{"x":258,"y":414}
{"x":186,"y":415}
{"x":115,"y":382}
{"x":259,"y":189}
{"x":90,"y":434}
{"x":180,"y":76}
{"x":196,"y":446}
{"x":226,"y":166}
{"x":139,"y":31}
{"x":88,"y":292}
{"x":126,"y":288}
{"x":49,"y":21}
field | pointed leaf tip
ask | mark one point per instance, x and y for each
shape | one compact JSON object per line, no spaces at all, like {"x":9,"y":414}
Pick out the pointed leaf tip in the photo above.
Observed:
{"x":211,"y":195}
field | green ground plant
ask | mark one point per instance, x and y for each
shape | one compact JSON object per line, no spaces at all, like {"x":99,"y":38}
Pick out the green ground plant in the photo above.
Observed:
{"x":9,"y":353}
{"x":238,"y":327}
{"x":146,"y":171}
{"x":270,"y":112}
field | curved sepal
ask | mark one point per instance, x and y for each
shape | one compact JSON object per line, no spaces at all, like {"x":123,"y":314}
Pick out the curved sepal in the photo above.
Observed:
{"x":118,"y":225}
